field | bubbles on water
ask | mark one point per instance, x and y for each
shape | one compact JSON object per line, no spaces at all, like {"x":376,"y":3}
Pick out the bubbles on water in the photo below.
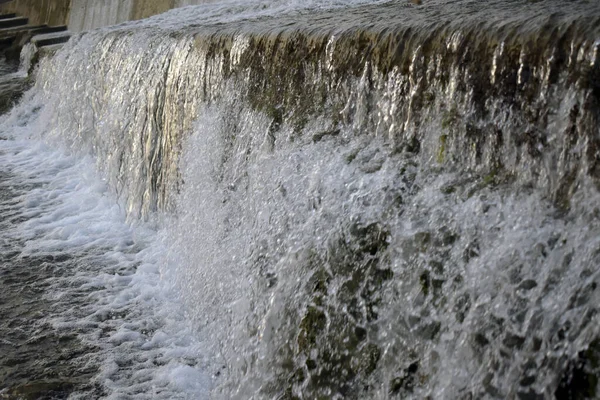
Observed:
{"x":379,"y":228}
{"x":102,"y":280}
{"x":320,"y":266}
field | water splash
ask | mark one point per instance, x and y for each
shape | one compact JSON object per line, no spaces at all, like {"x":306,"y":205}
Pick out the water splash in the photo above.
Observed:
{"x":358,"y":209}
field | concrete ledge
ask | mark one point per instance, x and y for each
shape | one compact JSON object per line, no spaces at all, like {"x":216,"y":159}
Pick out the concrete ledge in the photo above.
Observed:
{"x":12,"y":22}
{"x":49,"y":29}
{"x":48,"y":39}
{"x":16,"y":29}
{"x":50,"y":50}
{"x":12,"y":41}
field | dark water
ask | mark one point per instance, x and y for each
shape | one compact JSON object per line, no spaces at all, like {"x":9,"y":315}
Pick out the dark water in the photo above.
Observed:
{"x":38,"y":361}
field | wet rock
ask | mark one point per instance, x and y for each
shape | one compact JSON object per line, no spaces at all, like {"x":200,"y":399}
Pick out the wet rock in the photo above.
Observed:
{"x":441,"y":155}
{"x":367,"y":359}
{"x":527,"y":284}
{"x":333,"y":334}
{"x":425,"y":282}
{"x":317,"y":137}
{"x":422,"y":240}
{"x":480,"y":340}
{"x":429,"y":330}
{"x":446,"y":237}
{"x":371,"y":238}
{"x":312,"y":324}
{"x":530,"y":395}
{"x":471,"y":251}
{"x":406,"y":382}
{"x":448,"y":189}
{"x":513,"y":341}
{"x":579,"y":380}
{"x":413,"y":145}
{"x":462,"y":306}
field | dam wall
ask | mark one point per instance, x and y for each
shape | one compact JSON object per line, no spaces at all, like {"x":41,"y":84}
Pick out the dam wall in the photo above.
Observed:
{"x":39,"y":12}
{"x":86,"y":15}
{"x":83,"y":15}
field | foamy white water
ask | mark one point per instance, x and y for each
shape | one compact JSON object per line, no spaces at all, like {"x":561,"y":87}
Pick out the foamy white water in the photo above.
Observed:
{"x":323,"y":199}
{"x":110,"y":289}
{"x":122,"y":281}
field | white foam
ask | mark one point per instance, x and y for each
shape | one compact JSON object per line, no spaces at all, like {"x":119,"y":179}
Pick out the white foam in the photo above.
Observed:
{"x":127,"y":309}
{"x":255,"y":206}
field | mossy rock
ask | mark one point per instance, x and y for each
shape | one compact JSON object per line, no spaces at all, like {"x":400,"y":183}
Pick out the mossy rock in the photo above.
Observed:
{"x":441,"y":156}
{"x":367,"y":359}
{"x":333,"y":345}
{"x":312,"y":324}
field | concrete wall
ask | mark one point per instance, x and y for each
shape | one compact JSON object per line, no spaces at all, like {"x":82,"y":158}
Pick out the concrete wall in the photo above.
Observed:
{"x":90,"y":14}
{"x":40,"y":12}
{"x":83,"y":15}
{"x":144,"y":9}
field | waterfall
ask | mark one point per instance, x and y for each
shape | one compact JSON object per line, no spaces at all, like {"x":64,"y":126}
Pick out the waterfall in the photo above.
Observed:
{"x":355,"y":199}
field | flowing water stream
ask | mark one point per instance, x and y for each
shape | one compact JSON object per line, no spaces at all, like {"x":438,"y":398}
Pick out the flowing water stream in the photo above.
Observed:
{"x":308,"y":200}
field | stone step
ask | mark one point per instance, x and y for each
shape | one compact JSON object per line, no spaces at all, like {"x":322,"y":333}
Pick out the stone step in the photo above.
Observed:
{"x":49,"y":29}
{"x":12,"y":22}
{"x":6,"y":16}
{"x":6,"y":41}
{"x":5,"y":32}
{"x":37,"y":30}
{"x":47,"y":39}
{"x":50,"y":50}
{"x":21,"y":34}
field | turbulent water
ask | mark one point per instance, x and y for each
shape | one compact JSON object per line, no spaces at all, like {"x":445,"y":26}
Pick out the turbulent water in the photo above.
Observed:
{"x":311,"y":200}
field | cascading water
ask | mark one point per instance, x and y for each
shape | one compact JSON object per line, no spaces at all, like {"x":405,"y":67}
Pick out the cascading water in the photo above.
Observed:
{"x":337,"y":199}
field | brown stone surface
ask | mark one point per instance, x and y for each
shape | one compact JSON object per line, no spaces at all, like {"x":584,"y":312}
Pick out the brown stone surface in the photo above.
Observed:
{"x":145,"y":9}
{"x":51,"y":12}
{"x":82,"y":15}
